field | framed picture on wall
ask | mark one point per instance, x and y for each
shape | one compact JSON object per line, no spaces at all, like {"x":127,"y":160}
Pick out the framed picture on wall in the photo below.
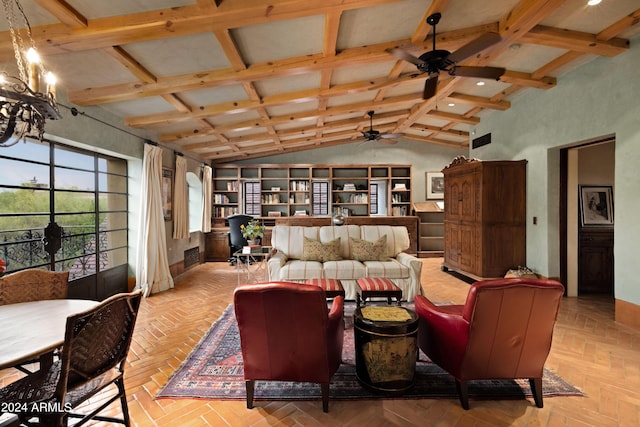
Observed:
{"x":596,"y":205}
{"x":435,"y":185}
{"x":167,"y":193}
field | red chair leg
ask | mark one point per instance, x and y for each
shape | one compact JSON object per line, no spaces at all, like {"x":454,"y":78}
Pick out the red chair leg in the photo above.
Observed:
{"x":249,"y":385}
{"x":325,"y":397}
{"x":536,"y":390}
{"x":463,"y":393}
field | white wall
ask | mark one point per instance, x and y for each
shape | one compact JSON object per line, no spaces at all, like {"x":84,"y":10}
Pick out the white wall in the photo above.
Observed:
{"x":600,"y":98}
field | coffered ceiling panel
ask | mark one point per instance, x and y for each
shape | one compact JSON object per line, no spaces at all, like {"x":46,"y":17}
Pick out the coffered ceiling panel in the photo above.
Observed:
{"x":279,"y":39}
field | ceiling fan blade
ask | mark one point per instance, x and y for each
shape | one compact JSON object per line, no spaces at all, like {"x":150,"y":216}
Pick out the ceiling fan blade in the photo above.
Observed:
{"x":406,"y":56}
{"x":481,"y":72}
{"x":391,"y":135}
{"x":430,"y":86}
{"x":388,"y":141}
{"x":474,"y":46}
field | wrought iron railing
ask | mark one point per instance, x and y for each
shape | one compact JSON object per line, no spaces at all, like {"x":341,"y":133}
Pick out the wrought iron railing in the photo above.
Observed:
{"x":21,"y":249}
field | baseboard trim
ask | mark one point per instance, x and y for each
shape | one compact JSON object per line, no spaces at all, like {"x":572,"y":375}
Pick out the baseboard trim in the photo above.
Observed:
{"x":627,"y":314}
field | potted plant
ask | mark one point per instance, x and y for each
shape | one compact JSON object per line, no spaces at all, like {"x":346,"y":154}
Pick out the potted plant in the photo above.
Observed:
{"x":253,"y":230}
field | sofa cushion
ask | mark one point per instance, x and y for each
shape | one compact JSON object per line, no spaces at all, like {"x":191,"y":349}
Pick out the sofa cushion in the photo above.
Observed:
{"x":397,"y":237}
{"x":330,"y":232}
{"x":391,"y":269}
{"x":290,"y":239}
{"x":344,"y":270}
{"x":301,"y":270}
{"x":362,"y":250}
{"x":315,"y":250}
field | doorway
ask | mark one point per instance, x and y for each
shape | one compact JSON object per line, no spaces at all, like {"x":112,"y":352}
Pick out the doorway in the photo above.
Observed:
{"x":586,"y":247}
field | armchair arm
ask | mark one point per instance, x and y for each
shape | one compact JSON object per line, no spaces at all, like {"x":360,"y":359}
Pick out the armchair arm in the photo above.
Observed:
{"x":443,"y":333}
{"x":274,"y":264}
{"x":335,"y":332}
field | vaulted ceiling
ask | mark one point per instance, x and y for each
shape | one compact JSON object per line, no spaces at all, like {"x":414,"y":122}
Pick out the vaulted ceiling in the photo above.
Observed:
{"x":230,"y":80}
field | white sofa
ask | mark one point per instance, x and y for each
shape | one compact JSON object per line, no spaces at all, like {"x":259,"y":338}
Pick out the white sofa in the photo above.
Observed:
{"x":287,"y":263}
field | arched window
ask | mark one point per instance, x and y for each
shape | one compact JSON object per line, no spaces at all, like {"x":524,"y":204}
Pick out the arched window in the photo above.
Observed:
{"x":195,"y":202}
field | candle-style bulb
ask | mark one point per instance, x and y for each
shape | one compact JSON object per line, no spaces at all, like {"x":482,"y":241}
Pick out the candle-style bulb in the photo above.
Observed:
{"x":34,"y":74}
{"x":32,"y":56}
{"x":50,"y":78}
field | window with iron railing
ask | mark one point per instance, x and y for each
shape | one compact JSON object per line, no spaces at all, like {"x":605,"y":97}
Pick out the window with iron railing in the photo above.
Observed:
{"x":62,"y":209}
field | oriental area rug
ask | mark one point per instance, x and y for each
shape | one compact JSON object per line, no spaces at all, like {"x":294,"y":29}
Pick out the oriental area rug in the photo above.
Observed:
{"x":213,"y":370}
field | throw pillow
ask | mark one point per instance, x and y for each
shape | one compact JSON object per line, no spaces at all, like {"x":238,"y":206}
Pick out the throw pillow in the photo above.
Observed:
{"x":363,"y":250}
{"x":314,"y":250}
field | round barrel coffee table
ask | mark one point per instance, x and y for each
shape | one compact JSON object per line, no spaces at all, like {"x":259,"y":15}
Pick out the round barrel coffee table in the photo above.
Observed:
{"x":385,"y":347}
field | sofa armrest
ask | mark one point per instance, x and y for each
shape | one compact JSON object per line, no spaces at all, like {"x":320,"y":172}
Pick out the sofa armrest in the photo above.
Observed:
{"x":415,"y":270}
{"x":275,"y":263}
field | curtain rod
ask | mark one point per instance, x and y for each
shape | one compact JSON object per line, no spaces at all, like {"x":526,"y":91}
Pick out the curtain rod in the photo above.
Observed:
{"x":75,"y":112}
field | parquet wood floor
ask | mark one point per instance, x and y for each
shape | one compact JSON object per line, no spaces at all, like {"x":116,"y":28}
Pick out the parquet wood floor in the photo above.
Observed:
{"x":589,"y":350}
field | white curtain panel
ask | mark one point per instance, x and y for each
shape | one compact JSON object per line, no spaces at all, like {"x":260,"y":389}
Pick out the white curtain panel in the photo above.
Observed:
{"x":207,"y":188}
{"x":152,"y":263}
{"x":181,"y":201}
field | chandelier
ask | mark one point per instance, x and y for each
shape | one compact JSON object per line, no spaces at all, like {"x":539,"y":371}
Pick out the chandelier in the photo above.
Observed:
{"x":27,"y":100}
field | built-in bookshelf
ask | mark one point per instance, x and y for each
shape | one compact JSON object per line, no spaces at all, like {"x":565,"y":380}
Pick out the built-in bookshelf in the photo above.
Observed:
{"x":311,"y":190}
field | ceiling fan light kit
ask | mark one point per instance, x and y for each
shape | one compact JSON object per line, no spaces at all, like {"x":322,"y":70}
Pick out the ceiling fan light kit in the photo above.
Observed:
{"x":437,"y":60}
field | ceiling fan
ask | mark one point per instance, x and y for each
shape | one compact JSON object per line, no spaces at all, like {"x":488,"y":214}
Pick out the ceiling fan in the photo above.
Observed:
{"x":374,"y":135}
{"x":434,"y":61}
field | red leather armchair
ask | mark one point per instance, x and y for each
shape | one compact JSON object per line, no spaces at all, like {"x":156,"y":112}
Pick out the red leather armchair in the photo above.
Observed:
{"x":503,"y":331}
{"x":287,"y":333}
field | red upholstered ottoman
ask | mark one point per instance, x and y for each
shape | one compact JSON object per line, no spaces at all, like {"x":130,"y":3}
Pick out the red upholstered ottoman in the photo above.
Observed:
{"x":378,"y":287}
{"x":332,"y":287}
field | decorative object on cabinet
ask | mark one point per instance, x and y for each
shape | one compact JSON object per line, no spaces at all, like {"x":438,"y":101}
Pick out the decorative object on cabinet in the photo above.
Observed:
{"x":435,"y":185}
{"x":596,"y":205}
{"x":484,"y":217}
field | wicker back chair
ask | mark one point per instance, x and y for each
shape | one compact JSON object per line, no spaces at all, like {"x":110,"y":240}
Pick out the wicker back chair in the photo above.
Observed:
{"x":33,"y":285}
{"x":93,"y":357}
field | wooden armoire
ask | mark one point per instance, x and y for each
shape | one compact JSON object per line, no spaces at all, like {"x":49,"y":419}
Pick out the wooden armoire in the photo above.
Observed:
{"x":484,"y":216}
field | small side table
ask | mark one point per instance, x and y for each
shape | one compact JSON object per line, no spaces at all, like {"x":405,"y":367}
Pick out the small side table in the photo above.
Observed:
{"x":386,"y":347}
{"x":252,"y":266}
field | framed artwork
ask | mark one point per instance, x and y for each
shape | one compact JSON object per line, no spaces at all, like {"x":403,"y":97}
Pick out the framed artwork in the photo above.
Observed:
{"x":435,"y":185}
{"x":596,"y":205}
{"x":167,"y":193}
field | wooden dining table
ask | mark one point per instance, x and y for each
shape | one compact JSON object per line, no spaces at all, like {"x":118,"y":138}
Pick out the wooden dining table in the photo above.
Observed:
{"x":35,"y":329}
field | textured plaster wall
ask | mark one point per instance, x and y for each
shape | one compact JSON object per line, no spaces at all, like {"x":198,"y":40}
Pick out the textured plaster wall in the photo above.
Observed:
{"x":600,"y":98}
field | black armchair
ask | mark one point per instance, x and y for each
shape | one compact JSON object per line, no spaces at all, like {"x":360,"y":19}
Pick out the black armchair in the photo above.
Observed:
{"x":236,"y":240}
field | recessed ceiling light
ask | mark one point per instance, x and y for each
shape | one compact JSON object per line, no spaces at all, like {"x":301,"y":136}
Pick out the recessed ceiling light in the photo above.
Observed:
{"x":451,"y":104}
{"x":593,"y":2}
{"x":480,"y":84}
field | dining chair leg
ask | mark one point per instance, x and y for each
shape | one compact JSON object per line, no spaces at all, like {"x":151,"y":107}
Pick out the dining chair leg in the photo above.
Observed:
{"x":123,"y":402}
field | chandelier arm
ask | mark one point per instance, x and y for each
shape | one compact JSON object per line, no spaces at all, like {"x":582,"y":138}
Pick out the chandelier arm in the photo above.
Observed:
{"x":24,"y":107}
{"x":11,"y":126}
